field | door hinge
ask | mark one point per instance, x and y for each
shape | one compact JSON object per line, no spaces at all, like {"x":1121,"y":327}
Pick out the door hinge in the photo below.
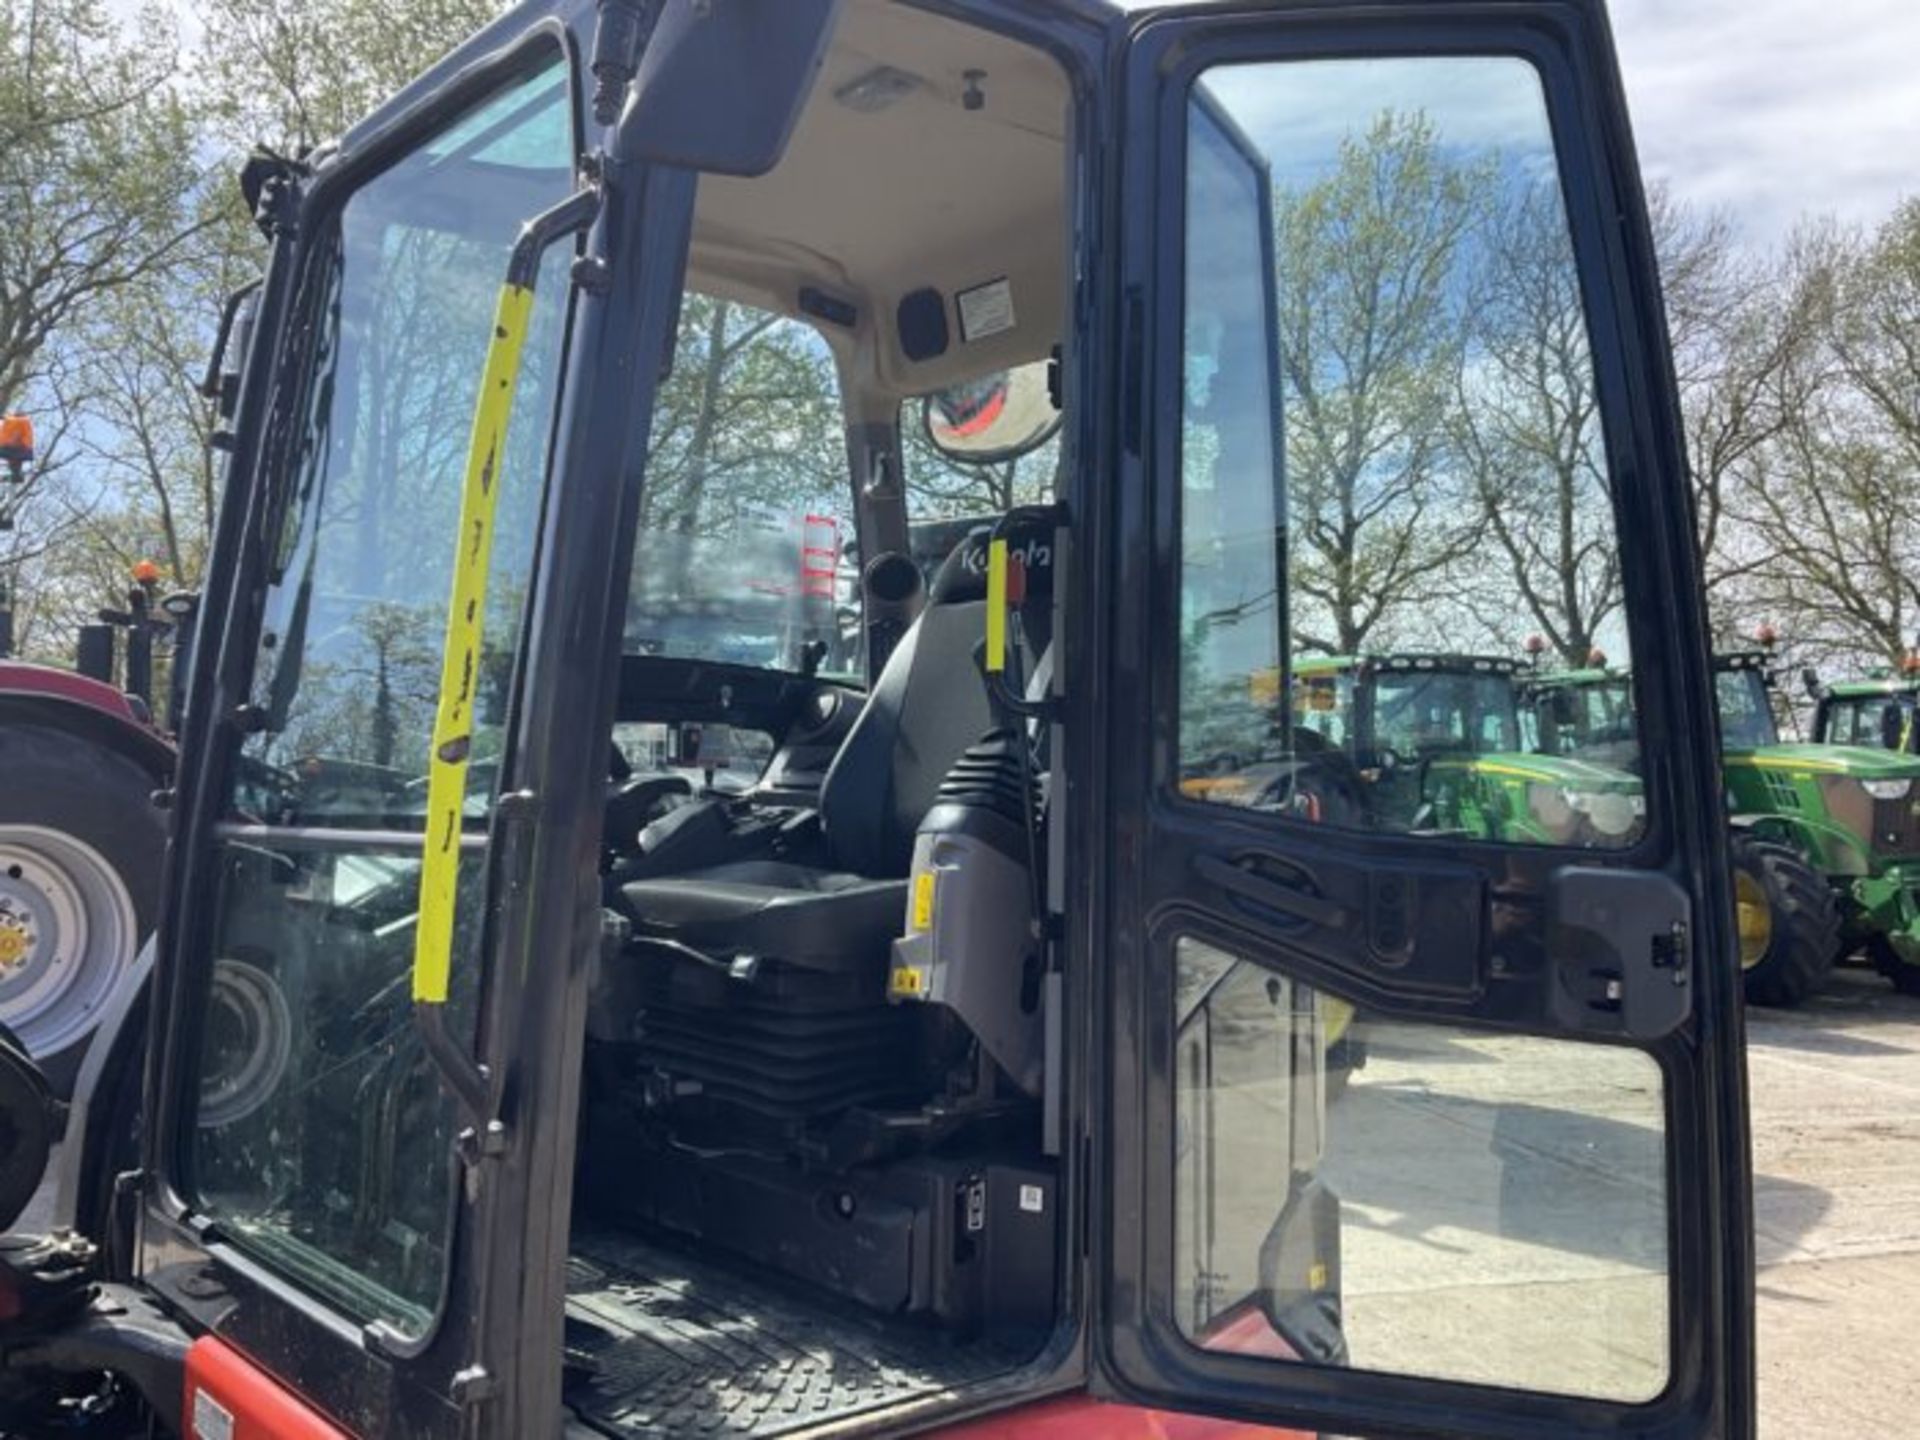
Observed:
{"x":472,"y":1385}
{"x":487,"y":1143}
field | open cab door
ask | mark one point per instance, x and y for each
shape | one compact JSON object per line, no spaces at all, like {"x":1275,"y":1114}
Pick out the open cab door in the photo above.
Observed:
{"x":1423,"y":1096}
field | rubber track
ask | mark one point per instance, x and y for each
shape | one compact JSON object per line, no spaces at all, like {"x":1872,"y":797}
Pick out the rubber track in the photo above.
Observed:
{"x":660,"y":1345}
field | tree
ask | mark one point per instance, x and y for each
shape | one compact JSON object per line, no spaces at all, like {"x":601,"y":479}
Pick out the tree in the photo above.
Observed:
{"x":1373,"y":336}
{"x":1875,"y":336}
{"x":1733,"y":353}
{"x":1528,"y":423}
{"x":97,"y":169}
{"x":96,"y":155}
{"x":290,"y":74}
{"x":1828,"y":524}
{"x":747,"y":429}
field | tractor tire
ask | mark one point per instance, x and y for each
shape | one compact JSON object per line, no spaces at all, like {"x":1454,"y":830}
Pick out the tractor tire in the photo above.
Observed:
{"x":81,"y":845}
{"x":1903,"y":976}
{"x":1795,"y":952}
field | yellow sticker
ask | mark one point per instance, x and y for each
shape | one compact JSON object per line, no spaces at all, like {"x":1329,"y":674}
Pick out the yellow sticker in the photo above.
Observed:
{"x":909,"y":980}
{"x":997,"y":606}
{"x":1317,"y":1275}
{"x":460,"y":652}
{"x":923,"y":901}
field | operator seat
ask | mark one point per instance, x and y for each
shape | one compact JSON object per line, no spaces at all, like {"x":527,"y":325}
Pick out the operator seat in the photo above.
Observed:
{"x":929,"y":705}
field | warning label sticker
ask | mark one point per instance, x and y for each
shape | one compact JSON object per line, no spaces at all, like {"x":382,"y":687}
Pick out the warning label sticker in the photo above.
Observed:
{"x":985,"y":310}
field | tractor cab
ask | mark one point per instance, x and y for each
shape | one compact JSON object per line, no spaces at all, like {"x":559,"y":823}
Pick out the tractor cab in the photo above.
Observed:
{"x":1877,"y":713}
{"x":1585,"y":712}
{"x":751,"y":791}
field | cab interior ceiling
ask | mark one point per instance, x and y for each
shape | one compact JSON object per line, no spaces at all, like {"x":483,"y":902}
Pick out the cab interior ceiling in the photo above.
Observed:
{"x":896,"y":182}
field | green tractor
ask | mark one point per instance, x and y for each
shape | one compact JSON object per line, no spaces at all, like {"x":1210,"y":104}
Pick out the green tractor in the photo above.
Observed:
{"x":1878,"y":712}
{"x":1852,"y":810}
{"x":1437,"y":743}
{"x":1826,"y":843}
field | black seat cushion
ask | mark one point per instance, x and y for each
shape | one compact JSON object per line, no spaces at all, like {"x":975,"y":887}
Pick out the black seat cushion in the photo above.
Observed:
{"x":825,"y":919}
{"x":928,"y":705}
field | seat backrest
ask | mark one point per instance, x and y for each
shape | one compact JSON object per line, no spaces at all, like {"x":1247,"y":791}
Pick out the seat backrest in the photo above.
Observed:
{"x":927,"y":707}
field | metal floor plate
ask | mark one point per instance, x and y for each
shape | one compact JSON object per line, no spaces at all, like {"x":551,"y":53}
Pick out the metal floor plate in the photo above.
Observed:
{"x":659,"y":1345}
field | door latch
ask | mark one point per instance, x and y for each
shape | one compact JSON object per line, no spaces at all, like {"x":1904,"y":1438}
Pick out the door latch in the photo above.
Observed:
{"x":1619,"y":950}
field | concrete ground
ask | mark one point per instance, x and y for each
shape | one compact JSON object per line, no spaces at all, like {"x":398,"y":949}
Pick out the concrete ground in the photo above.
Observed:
{"x":1836,"y":1157}
{"x":1503,"y":1222}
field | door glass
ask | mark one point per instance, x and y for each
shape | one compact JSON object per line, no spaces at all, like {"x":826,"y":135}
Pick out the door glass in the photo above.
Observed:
{"x":1442,"y":535}
{"x":1502,"y":1214}
{"x":745,"y":553}
{"x":1746,"y":709}
{"x":1398,"y":562}
{"x":323,"y":1136}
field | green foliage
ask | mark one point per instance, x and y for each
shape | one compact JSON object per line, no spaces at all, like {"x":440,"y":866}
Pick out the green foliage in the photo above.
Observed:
{"x":290,"y":74}
{"x":1373,"y":338}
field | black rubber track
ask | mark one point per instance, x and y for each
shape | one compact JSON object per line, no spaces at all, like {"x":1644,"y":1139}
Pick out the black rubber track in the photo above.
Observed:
{"x":659,"y":1345}
{"x":1806,"y":924}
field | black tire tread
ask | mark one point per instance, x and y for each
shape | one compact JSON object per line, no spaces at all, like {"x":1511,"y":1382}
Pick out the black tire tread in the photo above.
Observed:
{"x":1898,"y":973}
{"x":1806,"y":924}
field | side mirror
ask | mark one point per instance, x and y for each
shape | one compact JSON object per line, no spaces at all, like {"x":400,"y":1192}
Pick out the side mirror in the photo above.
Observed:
{"x":221,"y":382}
{"x":1810,"y":679}
{"x":29,"y":1126}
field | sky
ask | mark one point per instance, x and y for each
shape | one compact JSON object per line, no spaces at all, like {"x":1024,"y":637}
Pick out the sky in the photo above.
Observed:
{"x":1772,"y":108}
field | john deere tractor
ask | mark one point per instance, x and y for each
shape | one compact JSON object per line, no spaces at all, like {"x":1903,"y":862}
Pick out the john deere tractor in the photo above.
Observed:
{"x":1879,"y":712}
{"x":1826,"y":841}
{"x":1437,"y":743}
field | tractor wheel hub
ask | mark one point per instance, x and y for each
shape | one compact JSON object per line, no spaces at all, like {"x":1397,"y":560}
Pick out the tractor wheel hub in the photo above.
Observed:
{"x":67,"y":934}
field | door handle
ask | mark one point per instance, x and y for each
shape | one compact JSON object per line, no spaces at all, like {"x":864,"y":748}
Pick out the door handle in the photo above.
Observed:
{"x":1273,"y":894}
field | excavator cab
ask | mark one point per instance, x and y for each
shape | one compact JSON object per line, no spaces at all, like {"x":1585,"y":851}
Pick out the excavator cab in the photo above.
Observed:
{"x":736,"y":794}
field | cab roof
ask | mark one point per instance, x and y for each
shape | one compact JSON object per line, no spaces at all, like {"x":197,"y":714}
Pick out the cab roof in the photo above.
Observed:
{"x":1409,"y":660}
{"x":1875,"y":688}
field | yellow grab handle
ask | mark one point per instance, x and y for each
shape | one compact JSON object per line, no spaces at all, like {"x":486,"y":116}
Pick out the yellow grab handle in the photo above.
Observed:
{"x":996,"y":606}
{"x":460,"y":653}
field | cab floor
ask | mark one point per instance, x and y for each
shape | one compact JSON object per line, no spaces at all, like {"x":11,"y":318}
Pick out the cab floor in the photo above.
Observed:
{"x":662,"y":1345}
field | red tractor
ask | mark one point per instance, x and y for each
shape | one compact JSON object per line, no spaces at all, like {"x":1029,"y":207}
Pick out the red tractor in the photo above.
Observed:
{"x":80,"y":836}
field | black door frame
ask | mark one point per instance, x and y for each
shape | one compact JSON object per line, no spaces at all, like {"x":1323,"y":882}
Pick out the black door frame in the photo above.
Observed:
{"x":1138,"y":1356}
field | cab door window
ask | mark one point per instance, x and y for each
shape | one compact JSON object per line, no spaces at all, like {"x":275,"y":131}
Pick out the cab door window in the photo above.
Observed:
{"x":322,"y":1143}
{"x":1435,"y":410}
{"x":1430,"y":409}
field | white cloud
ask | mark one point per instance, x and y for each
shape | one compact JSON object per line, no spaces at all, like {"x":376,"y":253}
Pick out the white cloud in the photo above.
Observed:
{"x":1775,"y":108}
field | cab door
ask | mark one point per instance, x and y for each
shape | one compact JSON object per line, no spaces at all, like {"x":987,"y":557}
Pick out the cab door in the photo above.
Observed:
{"x":324,"y":1097}
{"x":1401,"y":1130}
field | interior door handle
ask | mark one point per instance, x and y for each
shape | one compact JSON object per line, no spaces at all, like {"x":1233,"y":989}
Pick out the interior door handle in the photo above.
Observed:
{"x":1273,"y":894}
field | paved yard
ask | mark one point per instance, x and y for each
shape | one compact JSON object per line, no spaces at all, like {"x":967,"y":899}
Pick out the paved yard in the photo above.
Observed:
{"x":1519,"y":1183}
{"x":1836,"y":1153}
